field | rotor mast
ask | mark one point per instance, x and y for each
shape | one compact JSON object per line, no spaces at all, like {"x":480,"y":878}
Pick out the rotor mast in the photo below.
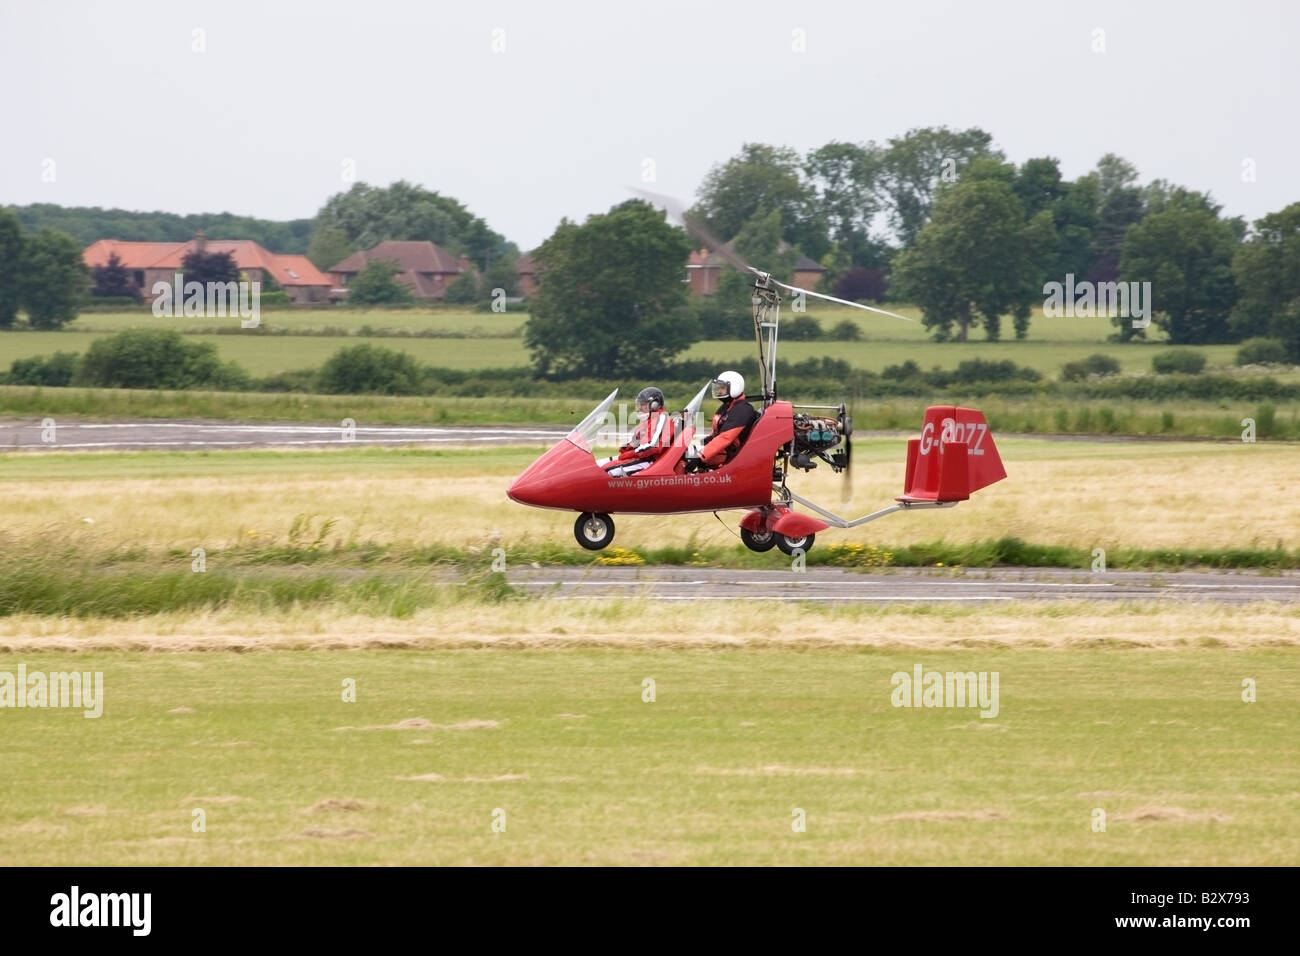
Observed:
{"x":767,"y":317}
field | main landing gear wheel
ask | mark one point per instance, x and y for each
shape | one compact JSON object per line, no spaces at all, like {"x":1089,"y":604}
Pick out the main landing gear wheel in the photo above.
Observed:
{"x":758,"y":540}
{"x":803,"y":543}
{"x":593,"y":531}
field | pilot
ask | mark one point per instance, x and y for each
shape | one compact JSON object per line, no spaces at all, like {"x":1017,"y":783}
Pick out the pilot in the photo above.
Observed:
{"x":652,"y":437}
{"x":731,"y":425}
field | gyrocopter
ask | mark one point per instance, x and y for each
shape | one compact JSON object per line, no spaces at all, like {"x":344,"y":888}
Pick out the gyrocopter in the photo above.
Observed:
{"x":954,"y":456}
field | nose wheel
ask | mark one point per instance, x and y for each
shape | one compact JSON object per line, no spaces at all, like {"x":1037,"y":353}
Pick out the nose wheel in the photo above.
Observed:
{"x":594,"y":530}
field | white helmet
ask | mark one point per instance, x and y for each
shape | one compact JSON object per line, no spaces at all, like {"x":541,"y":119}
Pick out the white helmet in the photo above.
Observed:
{"x":728,"y":385}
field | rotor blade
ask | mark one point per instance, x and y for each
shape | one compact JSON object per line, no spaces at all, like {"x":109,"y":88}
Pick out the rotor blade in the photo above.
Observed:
{"x":831,"y":298}
{"x":692,"y":225}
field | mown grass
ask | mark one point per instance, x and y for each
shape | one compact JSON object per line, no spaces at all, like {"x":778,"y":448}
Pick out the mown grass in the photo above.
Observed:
{"x":563,"y":747}
{"x":1050,"y":344}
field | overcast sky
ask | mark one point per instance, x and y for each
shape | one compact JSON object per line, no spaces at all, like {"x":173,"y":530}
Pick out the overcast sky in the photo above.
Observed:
{"x":561,"y":120}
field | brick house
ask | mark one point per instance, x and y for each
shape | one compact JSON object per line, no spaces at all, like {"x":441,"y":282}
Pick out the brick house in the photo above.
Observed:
{"x":150,"y":262}
{"x":425,"y":268}
{"x":526,"y":271}
{"x":703,"y":269}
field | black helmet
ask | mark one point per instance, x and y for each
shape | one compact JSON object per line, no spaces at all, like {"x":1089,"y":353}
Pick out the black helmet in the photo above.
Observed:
{"x":652,"y":397}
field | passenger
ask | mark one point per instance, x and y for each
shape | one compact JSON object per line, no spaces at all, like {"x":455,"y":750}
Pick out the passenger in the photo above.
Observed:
{"x":652,"y":437}
{"x":731,"y":425}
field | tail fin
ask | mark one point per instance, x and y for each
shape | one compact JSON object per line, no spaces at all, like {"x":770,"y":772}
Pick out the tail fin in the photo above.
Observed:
{"x":954,"y":456}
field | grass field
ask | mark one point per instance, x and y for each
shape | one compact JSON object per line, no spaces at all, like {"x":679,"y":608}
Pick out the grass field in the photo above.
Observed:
{"x":560,"y":748}
{"x":1083,"y":494}
{"x":1050,"y":344}
{"x":224,"y":691}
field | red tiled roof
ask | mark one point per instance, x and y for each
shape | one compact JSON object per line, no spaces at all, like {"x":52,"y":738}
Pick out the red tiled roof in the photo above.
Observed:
{"x":133,"y":255}
{"x":297,"y":270}
{"x":289,"y":270}
{"x":410,"y":256}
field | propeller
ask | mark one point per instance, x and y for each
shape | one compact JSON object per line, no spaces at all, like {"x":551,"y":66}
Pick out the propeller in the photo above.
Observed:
{"x":846,"y":423}
{"x":701,"y":232}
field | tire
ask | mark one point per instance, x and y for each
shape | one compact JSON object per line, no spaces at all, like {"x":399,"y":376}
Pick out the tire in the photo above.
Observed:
{"x":594,"y":531}
{"x":759,"y":541}
{"x":790,"y":545}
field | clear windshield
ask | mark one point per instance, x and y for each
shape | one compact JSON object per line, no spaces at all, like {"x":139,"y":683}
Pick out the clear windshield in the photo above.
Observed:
{"x":691,"y":416}
{"x":693,"y":408}
{"x":584,"y":433}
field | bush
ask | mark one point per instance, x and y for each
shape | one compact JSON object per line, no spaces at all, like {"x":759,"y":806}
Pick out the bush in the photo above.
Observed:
{"x":803,"y":329}
{"x":365,"y":369}
{"x":900,"y":373}
{"x":56,"y":370}
{"x":720,"y":321}
{"x":845,"y":331}
{"x":111,"y":303}
{"x":1100,"y":364}
{"x":1262,"y":352}
{"x":157,"y":358}
{"x":277,"y":298}
{"x":1074,"y":371}
{"x":377,"y":284}
{"x":1183,"y":361}
{"x":982,"y":370}
{"x":462,"y":290}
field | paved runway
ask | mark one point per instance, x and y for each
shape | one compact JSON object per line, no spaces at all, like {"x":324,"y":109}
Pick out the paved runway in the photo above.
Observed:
{"x":30,"y":435}
{"x":834,"y":586}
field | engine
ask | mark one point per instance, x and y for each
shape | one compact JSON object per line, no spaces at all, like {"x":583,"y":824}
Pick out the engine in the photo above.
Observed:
{"x":814,"y":436}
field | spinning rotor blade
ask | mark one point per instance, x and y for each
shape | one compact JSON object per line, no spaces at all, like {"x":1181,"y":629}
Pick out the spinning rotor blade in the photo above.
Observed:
{"x":831,"y":298}
{"x":701,"y":232}
{"x":676,"y":210}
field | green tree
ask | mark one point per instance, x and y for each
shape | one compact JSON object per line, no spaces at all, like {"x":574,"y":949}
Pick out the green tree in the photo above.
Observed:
{"x":87,"y":224}
{"x":914,"y":164}
{"x":463,"y":289}
{"x":377,"y":284}
{"x":1186,"y":253}
{"x":1267,"y":271}
{"x":976,"y":259}
{"x":205,"y":267}
{"x":760,"y":180}
{"x":11,"y":248}
{"x":329,"y":246}
{"x":367,"y":215}
{"x":610,"y":301}
{"x":499,"y":275}
{"x":1119,"y":206}
{"x":53,"y":278}
{"x":113,"y":279}
{"x":846,"y":177}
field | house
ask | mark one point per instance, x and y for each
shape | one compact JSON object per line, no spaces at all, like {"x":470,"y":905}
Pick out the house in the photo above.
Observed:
{"x":425,"y":268}
{"x":151,"y":262}
{"x":526,"y":270}
{"x":704,"y":267}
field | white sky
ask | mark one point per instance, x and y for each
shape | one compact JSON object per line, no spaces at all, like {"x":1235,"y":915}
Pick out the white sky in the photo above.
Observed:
{"x":560,"y":122}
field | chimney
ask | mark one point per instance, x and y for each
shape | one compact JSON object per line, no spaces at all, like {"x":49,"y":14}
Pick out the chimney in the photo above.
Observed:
{"x":200,"y":241}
